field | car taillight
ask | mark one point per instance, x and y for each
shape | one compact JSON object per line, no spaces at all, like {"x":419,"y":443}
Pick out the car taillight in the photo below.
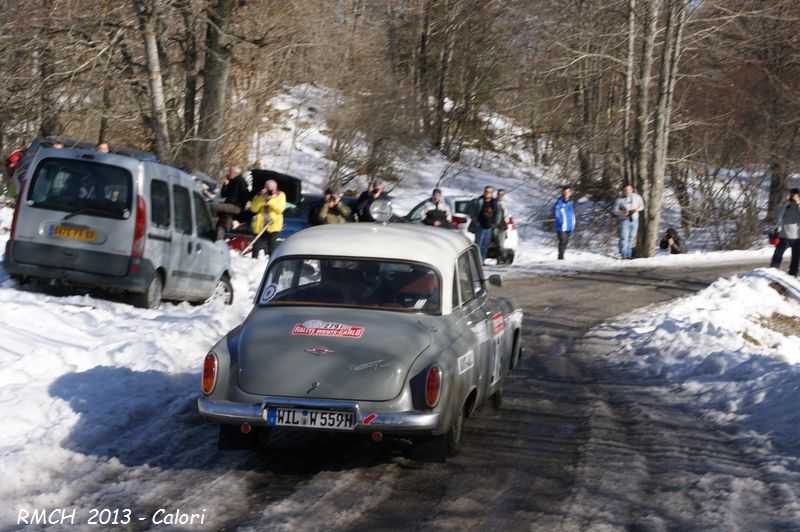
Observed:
{"x":510,"y":222}
{"x":456,"y":221}
{"x":209,"y":373}
{"x":140,"y":229}
{"x":433,"y":385}
{"x":16,"y":210}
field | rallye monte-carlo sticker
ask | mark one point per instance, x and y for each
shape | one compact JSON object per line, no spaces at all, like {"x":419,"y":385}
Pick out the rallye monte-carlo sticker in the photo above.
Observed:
{"x":327,"y":328}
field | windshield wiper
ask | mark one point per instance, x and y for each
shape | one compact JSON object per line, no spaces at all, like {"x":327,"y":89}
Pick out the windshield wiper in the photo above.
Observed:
{"x":90,"y":210}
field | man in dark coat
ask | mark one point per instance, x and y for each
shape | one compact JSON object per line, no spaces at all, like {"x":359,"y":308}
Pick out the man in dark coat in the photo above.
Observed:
{"x":373,"y":193}
{"x":234,"y":190}
{"x":485,"y":216}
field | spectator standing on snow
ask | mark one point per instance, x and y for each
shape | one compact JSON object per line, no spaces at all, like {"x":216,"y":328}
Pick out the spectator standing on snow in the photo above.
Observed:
{"x":435,"y":212}
{"x":627,"y":209}
{"x":268,"y":206}
{"x":564,"y":214}
{"x":332,"y":210}
{"x":673,"y":242}
{"x":485,"y":215}
{"x":234,"y":191}
{"x":788,"y":225}
{"x":373,"y":193}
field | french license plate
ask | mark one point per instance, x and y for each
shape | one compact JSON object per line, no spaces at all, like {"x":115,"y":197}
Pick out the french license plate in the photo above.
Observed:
{"x":311,"y":418}
{"x":74,"y":233}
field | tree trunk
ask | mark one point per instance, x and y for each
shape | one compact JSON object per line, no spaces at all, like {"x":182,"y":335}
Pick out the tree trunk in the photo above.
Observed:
{"x":422,"y":67}
{"x":215,"y":84}
{"x":445,"y":57}
{"x":627,"y":157}
{"x":50,"y":123}
{"x":184,"y":153}
{"x":641,"y":146}
{"x":670,"y":55}
{"x":147,"y":25}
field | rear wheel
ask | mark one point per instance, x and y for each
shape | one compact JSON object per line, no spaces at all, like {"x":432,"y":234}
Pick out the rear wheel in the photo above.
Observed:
{"x":151,"y":297}
{"x":440,"y":448}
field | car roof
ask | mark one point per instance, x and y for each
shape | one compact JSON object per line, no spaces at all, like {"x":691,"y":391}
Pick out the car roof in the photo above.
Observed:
{"x":437,"y":247}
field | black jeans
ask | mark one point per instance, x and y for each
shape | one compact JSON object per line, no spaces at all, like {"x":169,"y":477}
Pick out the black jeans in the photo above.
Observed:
{"x":777,"y":257}
{"x":267,"y":243}
{"x":563,"y":240}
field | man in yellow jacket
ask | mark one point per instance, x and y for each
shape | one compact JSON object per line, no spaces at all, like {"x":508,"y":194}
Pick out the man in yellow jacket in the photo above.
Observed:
{"x":268,"y":206}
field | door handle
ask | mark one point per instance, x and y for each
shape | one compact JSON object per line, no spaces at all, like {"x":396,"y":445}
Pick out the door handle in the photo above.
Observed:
{"x":189,"y":247}
{"x":198,"y":248}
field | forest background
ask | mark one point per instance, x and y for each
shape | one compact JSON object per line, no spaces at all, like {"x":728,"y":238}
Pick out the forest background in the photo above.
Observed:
{"x":701,"y":97}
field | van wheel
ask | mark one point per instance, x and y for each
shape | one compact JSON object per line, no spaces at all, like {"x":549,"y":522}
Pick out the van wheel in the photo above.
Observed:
{"x":222,"y":292}
{"x":150,"y":298}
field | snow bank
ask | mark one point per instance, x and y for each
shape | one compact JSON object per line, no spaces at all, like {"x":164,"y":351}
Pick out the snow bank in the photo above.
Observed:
{"x":732,"y":350}
{"x":82,"y":379}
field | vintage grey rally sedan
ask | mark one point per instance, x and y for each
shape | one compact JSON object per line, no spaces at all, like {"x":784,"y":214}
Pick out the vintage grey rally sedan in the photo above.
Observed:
{"x":378,"y":329}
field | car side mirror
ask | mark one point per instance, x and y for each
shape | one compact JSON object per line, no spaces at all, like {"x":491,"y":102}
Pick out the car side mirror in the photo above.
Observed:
{"x":495,"y":280}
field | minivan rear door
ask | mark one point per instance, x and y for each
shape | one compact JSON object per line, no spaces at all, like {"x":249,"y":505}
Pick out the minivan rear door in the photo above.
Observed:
{"x":77,"y":214}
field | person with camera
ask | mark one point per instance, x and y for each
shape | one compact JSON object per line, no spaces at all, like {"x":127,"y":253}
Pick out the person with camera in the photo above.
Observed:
{"x":332,"y":211}
{"x":673,"y":242}
{"x":788,"y":225}
{"x":267,"y":206}
{"x":373,"y":193}
{"x":627,"y":209}
{"x":435,"y":212}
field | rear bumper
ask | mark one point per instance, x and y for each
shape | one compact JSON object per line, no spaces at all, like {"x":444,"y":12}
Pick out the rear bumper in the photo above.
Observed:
{"x":134,"y":281}
{"x":368,"y":420}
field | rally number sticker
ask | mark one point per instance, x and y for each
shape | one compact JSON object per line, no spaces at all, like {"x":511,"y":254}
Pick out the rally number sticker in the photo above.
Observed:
{"x":466,"y":362}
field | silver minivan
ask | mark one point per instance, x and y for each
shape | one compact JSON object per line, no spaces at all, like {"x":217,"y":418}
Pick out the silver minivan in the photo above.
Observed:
{"x":117,"y":222}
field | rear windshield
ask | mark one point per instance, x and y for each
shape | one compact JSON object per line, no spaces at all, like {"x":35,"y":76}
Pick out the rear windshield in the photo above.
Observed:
{"x":360,"y":283}
{"x":73,"y":185}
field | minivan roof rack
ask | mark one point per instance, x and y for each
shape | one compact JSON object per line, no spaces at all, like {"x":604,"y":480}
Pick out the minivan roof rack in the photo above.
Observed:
{"x":139,"y":155}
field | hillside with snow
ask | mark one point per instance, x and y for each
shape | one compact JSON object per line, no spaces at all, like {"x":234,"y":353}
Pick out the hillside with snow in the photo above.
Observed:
{"x":98,"y":397}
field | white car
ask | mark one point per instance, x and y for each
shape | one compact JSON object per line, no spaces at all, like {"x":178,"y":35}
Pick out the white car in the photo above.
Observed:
{"x":459,"y":207}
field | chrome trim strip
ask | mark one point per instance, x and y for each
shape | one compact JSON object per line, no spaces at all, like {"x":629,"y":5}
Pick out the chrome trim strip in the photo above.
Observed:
{"x":400,"y":420}
{"x":230,"y":412}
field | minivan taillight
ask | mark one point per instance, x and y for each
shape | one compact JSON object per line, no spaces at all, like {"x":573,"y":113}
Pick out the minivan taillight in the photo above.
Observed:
{"x":433,"y":385}
{"x":209,"y":373}
{"x":510,"y":222}
{"x":20,"y":192}
{"x":140,"y":229}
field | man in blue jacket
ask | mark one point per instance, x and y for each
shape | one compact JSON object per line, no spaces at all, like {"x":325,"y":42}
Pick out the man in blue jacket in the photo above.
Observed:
{"x":564,"y":213}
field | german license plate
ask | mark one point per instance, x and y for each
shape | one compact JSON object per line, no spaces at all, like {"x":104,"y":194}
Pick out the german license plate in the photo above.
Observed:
{"x":73,"y":233}
{"x":311,"y":418}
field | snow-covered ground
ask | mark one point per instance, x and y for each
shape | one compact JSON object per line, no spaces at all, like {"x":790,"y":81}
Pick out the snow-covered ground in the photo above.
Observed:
{"x":96,"y":395}
{"x":732,"y":351}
